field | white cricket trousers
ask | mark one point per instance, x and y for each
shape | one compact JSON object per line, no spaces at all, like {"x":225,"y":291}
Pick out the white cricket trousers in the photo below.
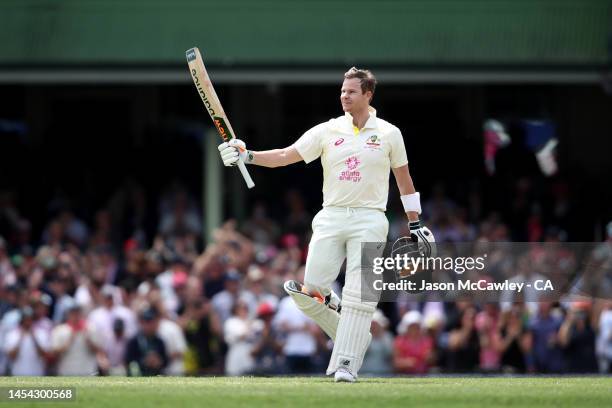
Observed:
{"x":338,"y":233}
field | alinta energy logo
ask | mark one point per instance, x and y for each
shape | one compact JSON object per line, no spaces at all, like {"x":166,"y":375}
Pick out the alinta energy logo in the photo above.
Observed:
{"x":351,"y":174}
{"x":352,"y":162}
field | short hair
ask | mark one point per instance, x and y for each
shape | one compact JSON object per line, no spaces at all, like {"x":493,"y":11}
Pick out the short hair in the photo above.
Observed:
{"x":368,"y":80}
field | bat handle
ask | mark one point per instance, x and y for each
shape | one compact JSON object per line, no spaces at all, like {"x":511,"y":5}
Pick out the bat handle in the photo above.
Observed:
{"x":245,"y":174}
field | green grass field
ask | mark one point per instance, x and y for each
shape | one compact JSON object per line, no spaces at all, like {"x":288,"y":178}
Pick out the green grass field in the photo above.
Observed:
{"x":114,"y":392}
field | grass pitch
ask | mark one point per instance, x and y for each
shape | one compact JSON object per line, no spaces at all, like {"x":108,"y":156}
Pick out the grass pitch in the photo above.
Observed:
{"x":114,"y":392}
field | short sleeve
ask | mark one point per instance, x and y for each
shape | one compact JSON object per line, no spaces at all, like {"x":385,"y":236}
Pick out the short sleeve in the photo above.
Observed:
{"x":310,"y":145}
{"x":11,"y":340}
{"x":59,"y":337}
{"x":43,"y":338}
{"x":398,"y":149}
{"x":94,"y":335}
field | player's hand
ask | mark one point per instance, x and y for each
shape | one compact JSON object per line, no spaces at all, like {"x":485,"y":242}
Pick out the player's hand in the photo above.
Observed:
{"x":424,"y":237}
{"x":233,"y":151}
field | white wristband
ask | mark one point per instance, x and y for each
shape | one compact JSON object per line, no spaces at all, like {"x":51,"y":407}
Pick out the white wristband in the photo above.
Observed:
{"x":412,"y":202}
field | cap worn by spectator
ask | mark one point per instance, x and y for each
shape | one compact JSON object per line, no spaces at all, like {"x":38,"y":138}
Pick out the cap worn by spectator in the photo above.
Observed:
{"x":265,"y":309}
{"x":380,"y":318}
{"x":410,"y":318}
{"x":232,"y":275}
{"x":107,"y":291}
{"x":148,"y":314}
{"x":71,"y":305}
{"x":255,"y":274}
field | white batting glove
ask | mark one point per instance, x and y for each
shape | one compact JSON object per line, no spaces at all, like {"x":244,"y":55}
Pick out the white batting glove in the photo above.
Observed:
{"x":424,"y":237}
{"x":233,"y":151}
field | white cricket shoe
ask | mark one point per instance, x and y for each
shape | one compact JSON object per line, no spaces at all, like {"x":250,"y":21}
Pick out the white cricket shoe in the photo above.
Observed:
{"x":344,"y":375}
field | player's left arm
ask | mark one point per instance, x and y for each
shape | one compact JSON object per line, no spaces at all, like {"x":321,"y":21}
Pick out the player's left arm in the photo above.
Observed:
{"x":411,"y":201}
{"x":406,"y":187}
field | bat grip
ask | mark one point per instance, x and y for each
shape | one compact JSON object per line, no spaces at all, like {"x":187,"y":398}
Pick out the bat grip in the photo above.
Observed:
{"x":245,"y":174}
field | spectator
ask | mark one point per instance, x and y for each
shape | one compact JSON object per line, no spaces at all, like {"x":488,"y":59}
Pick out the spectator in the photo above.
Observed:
{"x":102,"y":317}
{"x":166,"y":281}
{"x":514,"y":343}
{"x":300,"y":342}
{"x":8,"y":299}
{"x":176,"y":346}
{"x":58,"y":287}
{"x":546,"y":352}
{"x":379,"y":356}
{"x":487,"y":324}
{"x":527,"y":274}
{"x":412,"y":350}
{"x":15,"y":299}
{"x":116,"y":349}
{"x":40,"y":303}
{"x":75,"y":345}
{"x":27,"y":347}
{"x":203,"y":332}
{"x":223,"y":301}
{"x":463,"y":344}
{"x":604,"y":339}
{"x":7,"y":273}
{"x":577,"y":338}
{"x":267,"y":345}
{"x":238,"y":334}
{"x":146,"y":354}
{"x":257,"y":294}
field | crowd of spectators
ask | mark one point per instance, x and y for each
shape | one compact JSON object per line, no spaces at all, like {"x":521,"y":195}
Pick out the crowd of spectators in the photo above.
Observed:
{"x":111,"y":298}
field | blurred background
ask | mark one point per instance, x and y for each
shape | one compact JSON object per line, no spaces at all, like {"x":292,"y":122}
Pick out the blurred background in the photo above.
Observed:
{"x":118,"y":222}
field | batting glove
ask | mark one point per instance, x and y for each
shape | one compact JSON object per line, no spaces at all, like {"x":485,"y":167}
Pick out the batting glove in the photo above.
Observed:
{"x":233,"y":151}
{"x":423,"y":236}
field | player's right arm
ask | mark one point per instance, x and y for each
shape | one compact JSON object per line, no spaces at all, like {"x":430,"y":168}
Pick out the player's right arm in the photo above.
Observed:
{"x":307,"y":148}
{"x":236,"y":150}
{"x":276,"y":157}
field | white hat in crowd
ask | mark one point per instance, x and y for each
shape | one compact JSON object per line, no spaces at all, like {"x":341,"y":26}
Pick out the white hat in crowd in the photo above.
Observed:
{"x":412,"y":317}
{"x":380,"y":318}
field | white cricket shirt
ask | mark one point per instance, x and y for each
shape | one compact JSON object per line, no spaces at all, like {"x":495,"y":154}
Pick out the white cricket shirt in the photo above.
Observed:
{"x":355,"y":166}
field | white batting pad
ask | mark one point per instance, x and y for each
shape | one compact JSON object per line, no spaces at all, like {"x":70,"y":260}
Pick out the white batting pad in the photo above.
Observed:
{"x":352,"y":339}
{"x":324,"y":316}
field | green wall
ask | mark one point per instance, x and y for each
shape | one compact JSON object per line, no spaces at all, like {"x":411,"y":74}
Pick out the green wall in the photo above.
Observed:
{"x":277,"y":32}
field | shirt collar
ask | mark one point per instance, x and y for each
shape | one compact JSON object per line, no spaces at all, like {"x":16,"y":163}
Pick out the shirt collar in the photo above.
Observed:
{"x":370,"y":123}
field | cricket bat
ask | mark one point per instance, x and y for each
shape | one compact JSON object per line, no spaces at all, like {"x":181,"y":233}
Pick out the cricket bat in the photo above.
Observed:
{"x":212,"y":104}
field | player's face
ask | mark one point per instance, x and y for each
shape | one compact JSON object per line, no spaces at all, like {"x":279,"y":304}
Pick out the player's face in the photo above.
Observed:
{"x":352,"y":98}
